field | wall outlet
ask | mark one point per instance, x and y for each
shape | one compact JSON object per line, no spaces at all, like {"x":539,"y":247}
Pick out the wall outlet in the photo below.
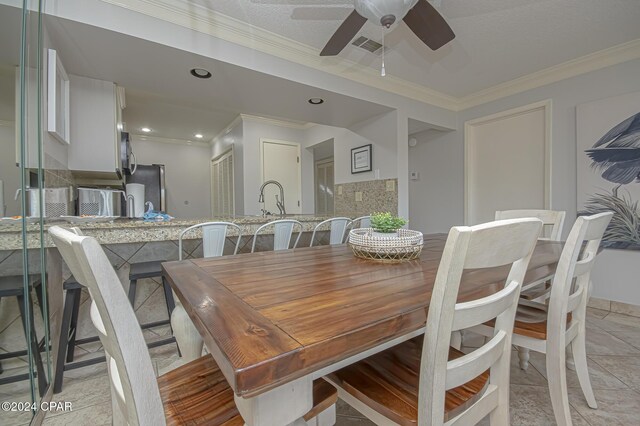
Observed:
{"x":376,"y":174}
{"x":339,"y":189}
{"x":391,"y":186}
{"x":359,"y":196}
{"x":414,"y":175}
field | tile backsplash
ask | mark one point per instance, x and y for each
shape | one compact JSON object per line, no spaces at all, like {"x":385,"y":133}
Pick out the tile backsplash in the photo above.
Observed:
{"x":364,"y":198}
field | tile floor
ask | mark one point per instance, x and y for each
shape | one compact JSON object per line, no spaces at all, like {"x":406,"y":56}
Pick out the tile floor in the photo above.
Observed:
{"x":614,"y":360}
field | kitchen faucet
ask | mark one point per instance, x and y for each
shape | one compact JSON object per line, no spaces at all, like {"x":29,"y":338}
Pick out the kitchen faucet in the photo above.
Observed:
{"x":279,"y":201}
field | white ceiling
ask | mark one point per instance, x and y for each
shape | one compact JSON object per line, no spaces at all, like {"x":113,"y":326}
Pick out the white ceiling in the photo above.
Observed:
{"x":162,"y":95}
{"x":172,"y":118}
{"x":496,"y":40}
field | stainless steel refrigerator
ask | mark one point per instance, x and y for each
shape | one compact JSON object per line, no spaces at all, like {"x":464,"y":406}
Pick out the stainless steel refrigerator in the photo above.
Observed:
{"x":153,"y":179}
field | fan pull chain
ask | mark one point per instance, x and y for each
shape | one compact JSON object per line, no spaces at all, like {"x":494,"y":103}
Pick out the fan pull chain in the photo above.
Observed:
{"x":383,"y":72}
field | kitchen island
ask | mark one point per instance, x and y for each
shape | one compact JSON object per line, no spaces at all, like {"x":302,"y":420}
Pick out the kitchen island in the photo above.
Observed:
{"x":124,"y":231}
{"x":132,"y":240}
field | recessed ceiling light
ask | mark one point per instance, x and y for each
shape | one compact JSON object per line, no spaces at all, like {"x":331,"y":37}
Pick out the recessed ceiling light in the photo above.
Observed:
{"x":316,"y":101}
{"x":198,"y":136}
{"x":146,"y":129}
{"x":200,"y":73}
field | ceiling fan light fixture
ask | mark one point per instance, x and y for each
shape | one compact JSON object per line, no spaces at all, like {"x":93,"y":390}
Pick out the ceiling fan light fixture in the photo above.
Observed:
{"x":384,"y":12}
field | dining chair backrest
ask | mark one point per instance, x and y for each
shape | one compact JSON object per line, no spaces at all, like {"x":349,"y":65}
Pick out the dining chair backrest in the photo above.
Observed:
{"x":282,"y":232}
{"x":552,"y":220}
{"x":214,"y":234}
{"x":490,"y":245}
{"x":337,"y":230}
{"x":362,"y":222}
{"x":570,"y":285}
{"x":133,"y":381}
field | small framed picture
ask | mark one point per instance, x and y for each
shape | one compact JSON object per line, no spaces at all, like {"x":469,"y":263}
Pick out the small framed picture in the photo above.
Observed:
{"x":361,"y":159}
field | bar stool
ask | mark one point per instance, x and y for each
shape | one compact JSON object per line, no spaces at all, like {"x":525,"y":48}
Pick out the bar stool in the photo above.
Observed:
{"x":13,"y":286}
{"x":68,"y":335}
{"x":282,"y":233}
{"x":150,"y":269}
{"x":337,"y":230}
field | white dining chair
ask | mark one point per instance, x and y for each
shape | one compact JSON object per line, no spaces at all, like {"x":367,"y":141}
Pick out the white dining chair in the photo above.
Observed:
{"x":552,"y":220}
{"x":552,"y":225}
{"x":550,"y":329}
{"x":426,"y":381}
{"x":214,"y":235}
{"x":195,"y":393}
{"x":282,"y":232}
{"x":337,"y":230}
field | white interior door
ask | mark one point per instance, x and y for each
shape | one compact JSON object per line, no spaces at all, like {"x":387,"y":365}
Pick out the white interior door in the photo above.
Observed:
{"x":507,"y":162}
{"x":281,"y":162}
{"x":222,"y":185}
{"x":324,"y":187}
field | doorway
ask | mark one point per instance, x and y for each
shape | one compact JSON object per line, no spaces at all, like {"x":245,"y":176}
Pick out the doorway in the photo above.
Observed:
{"x":281,"y":162}
{"x":507,"y":162}
{"x":324,"y":187}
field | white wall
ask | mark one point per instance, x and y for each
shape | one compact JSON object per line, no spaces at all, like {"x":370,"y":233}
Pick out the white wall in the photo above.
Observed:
{"x":9,"y":172}
{"x":380,"y":131}
{"x":431,"y":201}
{"x":441,"y":163}
{"x":188,"y":175}
{"x":252,"y":132}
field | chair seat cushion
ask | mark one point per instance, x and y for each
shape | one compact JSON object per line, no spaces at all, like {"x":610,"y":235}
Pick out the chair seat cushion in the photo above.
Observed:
{"x":388,"y":383}
{"x":198,"y":394}
{"x":145,"y":269}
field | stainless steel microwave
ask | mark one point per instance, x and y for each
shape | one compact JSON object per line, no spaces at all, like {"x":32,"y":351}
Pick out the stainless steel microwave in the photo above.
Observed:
{"x":128,"y":161}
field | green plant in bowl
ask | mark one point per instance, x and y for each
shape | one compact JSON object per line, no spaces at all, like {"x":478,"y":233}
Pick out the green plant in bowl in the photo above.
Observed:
{"x":386,"y":223}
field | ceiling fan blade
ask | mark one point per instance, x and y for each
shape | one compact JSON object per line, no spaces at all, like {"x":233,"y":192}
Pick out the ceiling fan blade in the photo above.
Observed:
{"x":430,"y":27}
{"x":344,"y":34}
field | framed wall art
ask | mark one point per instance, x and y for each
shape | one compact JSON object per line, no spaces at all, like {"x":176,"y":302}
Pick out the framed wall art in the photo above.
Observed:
{"x":361,"y":159}
{"x":608,"y":134}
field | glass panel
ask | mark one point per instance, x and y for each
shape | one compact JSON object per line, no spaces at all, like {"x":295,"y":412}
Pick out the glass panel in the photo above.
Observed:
{"x":24,"y":332}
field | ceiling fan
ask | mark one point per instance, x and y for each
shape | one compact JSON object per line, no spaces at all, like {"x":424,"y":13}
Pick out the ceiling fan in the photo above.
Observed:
{"x":419,"y":15}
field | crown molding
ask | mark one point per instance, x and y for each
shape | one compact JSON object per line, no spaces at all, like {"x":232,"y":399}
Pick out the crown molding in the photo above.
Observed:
{"x":277,"y":122}
{"x":207,"y":21}
{"x":264,"y":120}
{"x":147,"y":138}
{"x":226,"y":129}
{"x":594,"y":61}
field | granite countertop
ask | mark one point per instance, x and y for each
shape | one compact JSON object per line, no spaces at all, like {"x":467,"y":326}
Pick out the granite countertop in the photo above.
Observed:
{"x":136,"y":230}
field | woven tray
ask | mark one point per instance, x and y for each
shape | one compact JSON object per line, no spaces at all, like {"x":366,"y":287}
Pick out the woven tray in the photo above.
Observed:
{"x":407,"y":245}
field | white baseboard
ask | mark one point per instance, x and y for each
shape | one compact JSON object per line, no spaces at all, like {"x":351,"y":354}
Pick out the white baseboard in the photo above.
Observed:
{"x":613,"y":306}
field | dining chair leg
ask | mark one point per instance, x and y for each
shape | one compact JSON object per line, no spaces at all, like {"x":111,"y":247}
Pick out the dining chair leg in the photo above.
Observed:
{"x":523,"y":356}
{"x":571,"y":365}
{"x":456,"y":339}
{"x":189,"y":340}
{"x":557,"y":374}
{"x":578,"y":348}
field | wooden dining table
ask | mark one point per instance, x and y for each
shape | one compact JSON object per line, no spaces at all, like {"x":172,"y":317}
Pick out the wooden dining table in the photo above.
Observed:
{"x":275,"y":321}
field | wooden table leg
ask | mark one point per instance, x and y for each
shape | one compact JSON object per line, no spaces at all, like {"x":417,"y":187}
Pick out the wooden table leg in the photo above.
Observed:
{"x":284,"y":405}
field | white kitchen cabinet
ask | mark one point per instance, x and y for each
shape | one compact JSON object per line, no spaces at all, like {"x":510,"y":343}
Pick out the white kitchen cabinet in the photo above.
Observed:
{"x":95,"y":139}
